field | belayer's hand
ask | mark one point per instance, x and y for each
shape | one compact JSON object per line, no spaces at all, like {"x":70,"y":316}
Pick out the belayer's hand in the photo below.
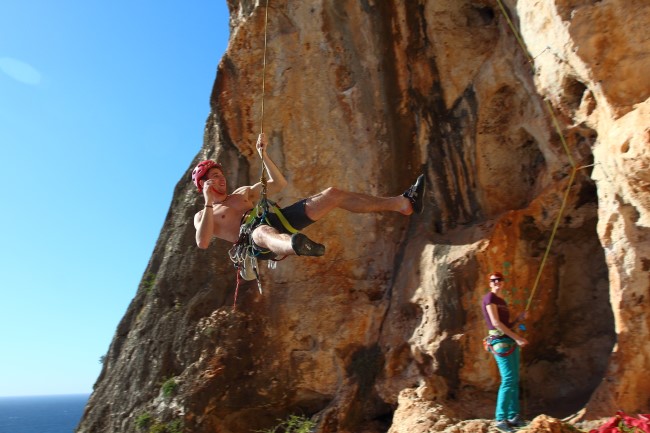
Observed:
{"x":521,"y":341}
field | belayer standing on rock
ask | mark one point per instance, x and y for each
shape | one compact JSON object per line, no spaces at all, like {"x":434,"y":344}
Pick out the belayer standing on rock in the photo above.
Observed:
{"x":504,"y":344}
{"x":223,"y":212}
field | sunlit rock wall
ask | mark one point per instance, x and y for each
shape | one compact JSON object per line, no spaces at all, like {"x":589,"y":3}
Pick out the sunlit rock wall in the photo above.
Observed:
{"x":519,"y":145}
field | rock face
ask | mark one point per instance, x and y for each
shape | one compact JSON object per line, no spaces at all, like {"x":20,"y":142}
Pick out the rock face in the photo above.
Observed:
{"x":536,"y":155}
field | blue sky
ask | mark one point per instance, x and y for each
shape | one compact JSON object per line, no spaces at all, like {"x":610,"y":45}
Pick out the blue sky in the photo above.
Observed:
{"x":102,"y":108}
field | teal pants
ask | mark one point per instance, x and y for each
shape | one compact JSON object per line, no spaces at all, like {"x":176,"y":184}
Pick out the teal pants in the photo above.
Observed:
{"x":508,"y":397}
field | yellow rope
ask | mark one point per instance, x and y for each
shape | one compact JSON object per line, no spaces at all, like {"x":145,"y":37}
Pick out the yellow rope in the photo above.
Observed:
{"x":566,"y":150}
{"x":550,"y":241}
{"x":266,"y":20}
{"x":516,"y":33}
{"x":559,"y":131}
{"x":557,"y":220}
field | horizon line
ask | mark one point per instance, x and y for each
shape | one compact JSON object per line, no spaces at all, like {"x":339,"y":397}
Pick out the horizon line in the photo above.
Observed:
{"x":46,"y":395}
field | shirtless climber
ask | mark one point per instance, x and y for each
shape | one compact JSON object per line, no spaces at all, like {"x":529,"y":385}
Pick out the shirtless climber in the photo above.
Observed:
{"x":223,"y":212}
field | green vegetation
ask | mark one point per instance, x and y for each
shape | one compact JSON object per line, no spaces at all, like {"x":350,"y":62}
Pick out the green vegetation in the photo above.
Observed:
{"x":175,"y":426}
{"x":209,"y":331}
{"x":157,"y":428}
{"x":143,"y":421}
{"x":146,"y":423}
{"x":293,"y":424}
{"x":169,"y":387}
{"x":148,"y":281}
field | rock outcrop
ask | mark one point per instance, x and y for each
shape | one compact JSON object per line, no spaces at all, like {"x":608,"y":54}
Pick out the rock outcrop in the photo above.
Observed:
{"x":536,"y":154}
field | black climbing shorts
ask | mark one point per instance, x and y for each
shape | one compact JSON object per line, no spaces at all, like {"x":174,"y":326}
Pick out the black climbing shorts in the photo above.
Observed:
{"x":295,"y":215}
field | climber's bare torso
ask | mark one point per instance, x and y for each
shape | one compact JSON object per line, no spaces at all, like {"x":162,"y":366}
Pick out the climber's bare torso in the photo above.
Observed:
{"x":227,"y":215}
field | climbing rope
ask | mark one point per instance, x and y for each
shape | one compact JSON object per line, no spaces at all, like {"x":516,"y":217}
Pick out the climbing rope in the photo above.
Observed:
{"x":574,"y":170}
{"x":242,"y":253}
{"x":574,"y":167}
{"x":263,"y":178}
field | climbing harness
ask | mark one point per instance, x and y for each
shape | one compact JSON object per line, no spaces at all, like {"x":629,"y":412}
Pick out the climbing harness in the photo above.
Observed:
{"x":498,"y":343}
{"x":244,"y":253}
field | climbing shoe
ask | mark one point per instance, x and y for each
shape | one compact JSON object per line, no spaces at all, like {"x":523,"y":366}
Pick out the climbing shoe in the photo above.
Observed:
{"x":303,"y":246}
{"x":516,"y":422}
{"x":415,"y":194}
{"x":503,"y":426}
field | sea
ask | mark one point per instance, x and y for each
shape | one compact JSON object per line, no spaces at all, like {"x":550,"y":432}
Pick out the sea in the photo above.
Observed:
{"x":42,"y":414}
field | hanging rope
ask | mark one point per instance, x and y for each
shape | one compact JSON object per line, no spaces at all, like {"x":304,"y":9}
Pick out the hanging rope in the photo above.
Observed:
{"x":263,"y":178}
{"x":241,"y":252}
{"x":574,"y":168}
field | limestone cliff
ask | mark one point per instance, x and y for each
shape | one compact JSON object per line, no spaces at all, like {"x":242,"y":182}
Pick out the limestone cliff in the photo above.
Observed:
{"x":384,"y":332}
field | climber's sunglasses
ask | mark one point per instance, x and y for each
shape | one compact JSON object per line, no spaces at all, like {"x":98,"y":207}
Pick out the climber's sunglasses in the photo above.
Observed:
{"x":495,"y":280}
